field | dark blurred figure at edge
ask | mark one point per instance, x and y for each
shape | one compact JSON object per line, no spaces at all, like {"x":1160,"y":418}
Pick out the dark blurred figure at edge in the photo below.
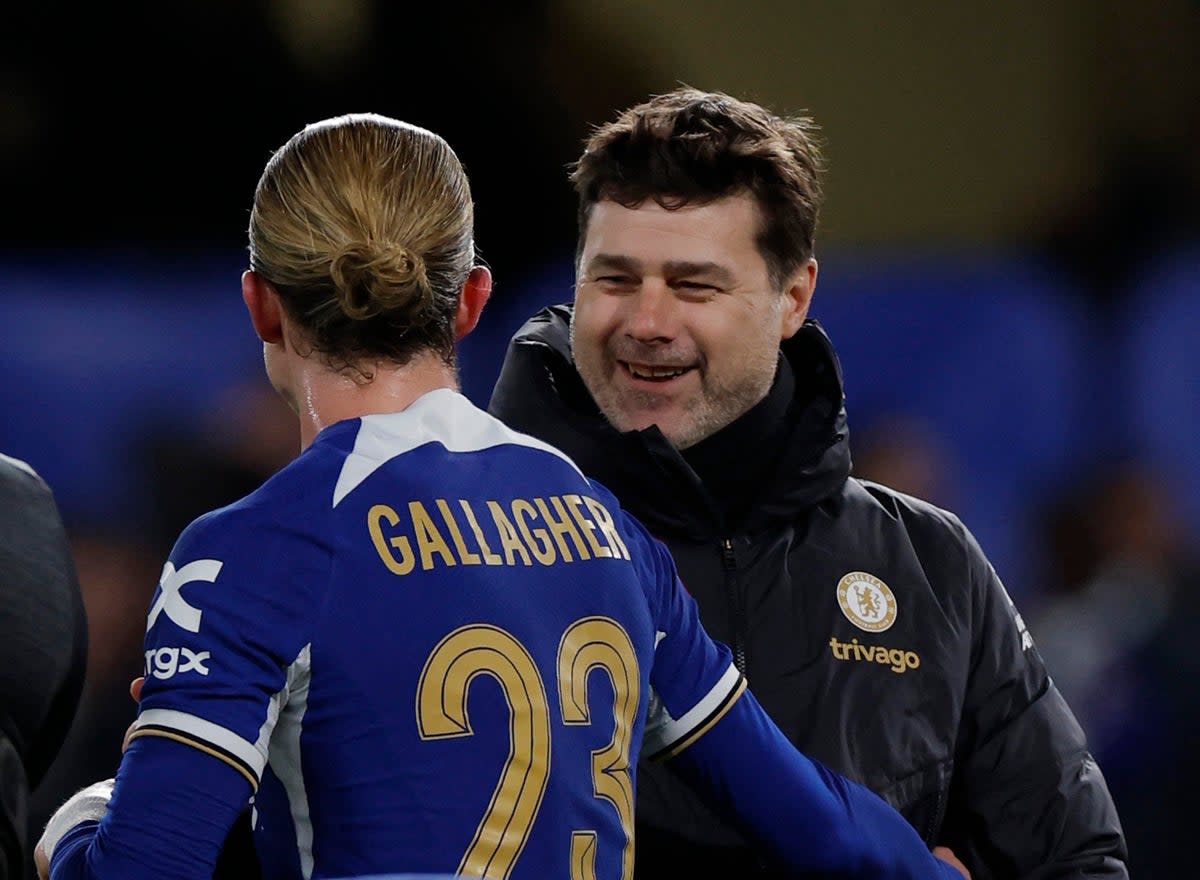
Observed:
{"x":43,"y":649}
{"x":1118,"y":631}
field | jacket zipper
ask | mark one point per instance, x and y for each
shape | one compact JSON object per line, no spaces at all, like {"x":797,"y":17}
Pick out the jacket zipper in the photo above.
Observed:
{"x":736,"y":612}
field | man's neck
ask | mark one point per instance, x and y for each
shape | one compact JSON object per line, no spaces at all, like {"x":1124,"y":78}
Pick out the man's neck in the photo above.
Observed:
{"x":734,"y":462}
{"x":322,"y":397}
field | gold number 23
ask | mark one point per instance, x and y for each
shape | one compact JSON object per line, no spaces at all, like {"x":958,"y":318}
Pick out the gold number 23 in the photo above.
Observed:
{"x":442,"y":712}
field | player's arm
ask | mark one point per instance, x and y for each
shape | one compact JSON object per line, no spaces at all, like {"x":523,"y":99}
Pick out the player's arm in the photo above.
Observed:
{"x":703,"y":718}
{"x":1027,"y":799}
{"x":804,"y":816}
{"x":167,"y":815}
{"x":226,"y":646}
{"x":808,"y":818}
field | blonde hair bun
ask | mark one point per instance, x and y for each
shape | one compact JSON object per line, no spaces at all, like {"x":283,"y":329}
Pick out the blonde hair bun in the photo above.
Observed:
{"x":374,"y":278}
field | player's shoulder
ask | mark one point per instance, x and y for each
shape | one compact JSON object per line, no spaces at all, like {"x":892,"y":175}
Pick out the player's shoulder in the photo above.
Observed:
{"x":442,"y":423}
{"x":651,"y":560}
{"x":266,"y":563}
{"x":288,"y":509}
{"x":449,"y":418}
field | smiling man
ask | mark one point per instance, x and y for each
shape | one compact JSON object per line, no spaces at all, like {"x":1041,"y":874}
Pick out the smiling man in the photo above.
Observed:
{"x":670,"y":330}
{"x":688,"y":380}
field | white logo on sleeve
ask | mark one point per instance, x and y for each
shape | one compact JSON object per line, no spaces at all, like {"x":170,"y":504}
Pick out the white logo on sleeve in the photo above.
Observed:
{"x":1022,"y":629}
{"x":170,"y":600}
{"x":165,"y":662}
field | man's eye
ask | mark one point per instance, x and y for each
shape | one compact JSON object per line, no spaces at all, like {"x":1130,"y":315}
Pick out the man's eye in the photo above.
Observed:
{"x":696,"y":286}
{"x":615,"y":279}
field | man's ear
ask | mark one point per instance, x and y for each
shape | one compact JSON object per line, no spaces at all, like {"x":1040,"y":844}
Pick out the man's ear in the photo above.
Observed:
{"x":475,"y":293}
{"x":262,"y":302}
{"x":797,"y":298}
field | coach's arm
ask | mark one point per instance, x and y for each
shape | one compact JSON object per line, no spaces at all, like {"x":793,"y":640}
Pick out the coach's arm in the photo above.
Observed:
{"x":1027,"y":799}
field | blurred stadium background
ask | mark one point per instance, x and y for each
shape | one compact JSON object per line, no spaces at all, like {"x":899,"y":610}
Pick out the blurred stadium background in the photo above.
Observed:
{"x":1010,"y":269}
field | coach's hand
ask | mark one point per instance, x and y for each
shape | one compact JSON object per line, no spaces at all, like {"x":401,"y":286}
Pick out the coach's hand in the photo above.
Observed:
{"x":947,"y":855}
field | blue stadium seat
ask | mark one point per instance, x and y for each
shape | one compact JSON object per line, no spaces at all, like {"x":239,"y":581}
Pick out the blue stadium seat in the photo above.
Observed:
{"x":95,"y":351}
{"x":988,"y":350}
{"x":1161,"y":331}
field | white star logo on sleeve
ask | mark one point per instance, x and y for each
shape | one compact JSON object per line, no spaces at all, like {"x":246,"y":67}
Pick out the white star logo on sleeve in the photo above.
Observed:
{"x":170,"y":600}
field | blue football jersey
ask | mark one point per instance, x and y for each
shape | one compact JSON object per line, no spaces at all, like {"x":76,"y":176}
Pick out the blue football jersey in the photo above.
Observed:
{"x":430,"y":645}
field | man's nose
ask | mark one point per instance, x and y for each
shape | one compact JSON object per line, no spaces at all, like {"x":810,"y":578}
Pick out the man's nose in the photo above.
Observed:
{"x":654,"y":312}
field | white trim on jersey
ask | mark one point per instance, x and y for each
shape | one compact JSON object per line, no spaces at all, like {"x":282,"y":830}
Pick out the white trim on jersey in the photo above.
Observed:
{"x":663,"y":731}
{"x":194,"y":727}
{"x":285,"y":756}
{"x":440,"y":416}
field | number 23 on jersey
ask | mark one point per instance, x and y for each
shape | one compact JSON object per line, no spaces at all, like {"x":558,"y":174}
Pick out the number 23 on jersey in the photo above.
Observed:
{"x":586,"y":644}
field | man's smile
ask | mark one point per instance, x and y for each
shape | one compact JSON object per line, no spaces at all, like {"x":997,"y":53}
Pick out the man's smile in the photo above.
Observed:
{"x":657,"y":373}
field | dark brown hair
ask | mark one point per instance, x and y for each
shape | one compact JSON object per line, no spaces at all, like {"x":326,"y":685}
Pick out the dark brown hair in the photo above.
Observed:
{"x":689,"y":146}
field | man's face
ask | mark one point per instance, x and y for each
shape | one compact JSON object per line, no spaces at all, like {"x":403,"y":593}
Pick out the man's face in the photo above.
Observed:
{"x":676,"y":321}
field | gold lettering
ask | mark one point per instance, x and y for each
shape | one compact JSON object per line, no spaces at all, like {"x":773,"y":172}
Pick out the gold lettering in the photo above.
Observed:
{"x":467,"y":557}
{"x":429,"y":539}
{"x":396,"y":565}
{"x":489,"y":557}
{"x":537,"y":539}
{"x":509,"y":542}
{"x":588,"y":527}
{"x":607,"y":527}
{"x":897,"y":659}
{"x":560,"y":527}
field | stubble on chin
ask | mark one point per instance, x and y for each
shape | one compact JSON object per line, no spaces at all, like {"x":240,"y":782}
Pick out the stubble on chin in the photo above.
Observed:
{"x":684,"y":421}
{"x":633,"y":410}
{"x":716,"y":407}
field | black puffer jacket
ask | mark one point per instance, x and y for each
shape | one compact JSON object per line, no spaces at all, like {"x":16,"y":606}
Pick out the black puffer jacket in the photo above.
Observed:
{"x":871,"y":628}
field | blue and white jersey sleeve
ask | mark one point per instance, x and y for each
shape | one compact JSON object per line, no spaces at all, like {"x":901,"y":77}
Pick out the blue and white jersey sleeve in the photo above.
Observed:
{"x":226,"y":640}
{"x":693,"y":679}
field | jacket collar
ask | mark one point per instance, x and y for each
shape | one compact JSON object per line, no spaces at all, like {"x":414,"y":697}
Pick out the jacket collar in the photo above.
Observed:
{"x":539,"y":392}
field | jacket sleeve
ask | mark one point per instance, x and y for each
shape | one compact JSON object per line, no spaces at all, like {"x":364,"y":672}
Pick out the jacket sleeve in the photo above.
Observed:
{"x":1027,"y":799}
{"x":12,"y":811}
{"x":43,"y":647}
{"x":814,"y":821}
